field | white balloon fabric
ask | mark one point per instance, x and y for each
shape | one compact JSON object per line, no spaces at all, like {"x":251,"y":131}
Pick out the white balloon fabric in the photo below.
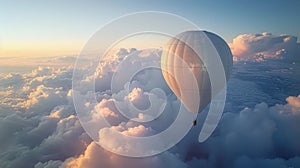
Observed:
{"x":185,"y":52}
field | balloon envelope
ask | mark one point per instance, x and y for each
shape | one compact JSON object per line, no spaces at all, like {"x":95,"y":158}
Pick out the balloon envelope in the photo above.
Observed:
{"x":184,"y":70}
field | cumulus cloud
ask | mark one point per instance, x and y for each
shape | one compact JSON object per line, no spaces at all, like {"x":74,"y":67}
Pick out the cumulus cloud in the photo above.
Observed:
{"x":49,"y":164}
{"x":245,"y":137}
{"x":258,"y":47}
{"x":95,"y":157}
{"x":37,"y":115}
{"x":259,"y":137}
{"x":43,"y":99}
{"x":39,"y":126}
{"x":138,"y":98}
{"x":294,"y":102}
{"x":106,"y":107}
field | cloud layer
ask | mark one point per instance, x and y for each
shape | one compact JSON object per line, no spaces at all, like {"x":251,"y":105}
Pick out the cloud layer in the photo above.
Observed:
{"x":39,"y":127}
{"x":258,"y":47}
{"x":260,"y":137}
{"x":38,"y":124}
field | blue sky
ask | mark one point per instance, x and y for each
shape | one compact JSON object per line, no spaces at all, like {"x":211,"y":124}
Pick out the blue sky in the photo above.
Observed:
{"x":62,"y":27}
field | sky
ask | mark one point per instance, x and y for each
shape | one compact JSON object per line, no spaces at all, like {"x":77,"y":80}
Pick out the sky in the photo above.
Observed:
{"x":59,"y":28}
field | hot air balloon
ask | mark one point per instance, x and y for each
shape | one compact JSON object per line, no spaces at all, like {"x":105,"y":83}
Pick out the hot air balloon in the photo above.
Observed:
{"x":185,"y":71}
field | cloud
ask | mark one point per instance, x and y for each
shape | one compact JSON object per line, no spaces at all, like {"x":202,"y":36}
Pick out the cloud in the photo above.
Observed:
{"x":44,"y":99}
{"x":259,"y":137}
{"x":107,"y":108}
{"x":39,"y":126}
{"x":138,"y":98}
{"x":258,"y":47}
{"x":294,"y":102}
{"x":49,"y":164}
{"x":247,"y":162}
{"x":251,"y":136}
{"x":95,"y":156}
{"x":136,"y":131}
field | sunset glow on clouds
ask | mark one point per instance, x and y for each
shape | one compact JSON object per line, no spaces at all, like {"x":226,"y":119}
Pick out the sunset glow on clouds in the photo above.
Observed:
{"x":258,"y":47}
{"x":39,"y":126}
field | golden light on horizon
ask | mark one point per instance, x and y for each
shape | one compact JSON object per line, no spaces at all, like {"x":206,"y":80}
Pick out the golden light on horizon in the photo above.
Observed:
{"x":42,"y":49}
